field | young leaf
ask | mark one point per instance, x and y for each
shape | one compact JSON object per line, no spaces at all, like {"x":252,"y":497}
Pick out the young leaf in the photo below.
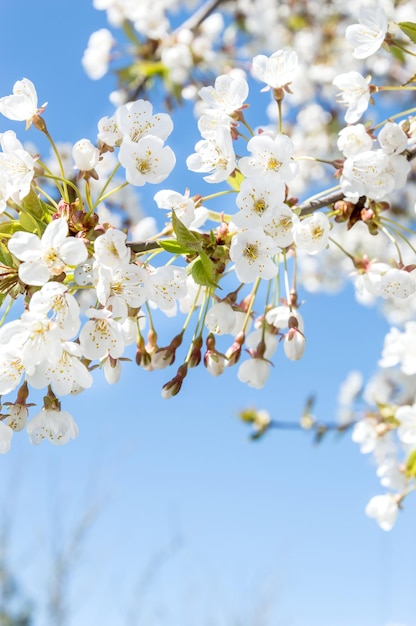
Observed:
{"x":172,"y":246}
{"x":411,"y":465}
{"x":188,"y":239}
{"x":202,"y":270}
{"x":409,"y":29}
{"x":235,"y":180}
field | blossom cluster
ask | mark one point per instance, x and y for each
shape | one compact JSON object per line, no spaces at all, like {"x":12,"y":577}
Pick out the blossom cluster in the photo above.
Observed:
{"x":91,"y":287}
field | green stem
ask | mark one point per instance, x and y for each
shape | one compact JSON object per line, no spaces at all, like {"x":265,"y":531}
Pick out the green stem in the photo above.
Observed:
{"x":7,"y":311}
{"x":403,"y":49}
{"x":251,"y":303}
{"x":61,"y":166}
{"x":395,"y":116}
{"x":392,"y":239}
{"x":101,"y":195}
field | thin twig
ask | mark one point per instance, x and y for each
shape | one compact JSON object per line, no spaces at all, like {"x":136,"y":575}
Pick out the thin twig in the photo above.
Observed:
{"x":313,"y":205}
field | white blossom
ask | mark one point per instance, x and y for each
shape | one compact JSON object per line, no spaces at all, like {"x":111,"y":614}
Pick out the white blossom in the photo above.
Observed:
{"x":17,"y":168}
{"x":57,"y":426}
{"x":254,"y":372}
{"x":354,"y":94}
{"x":48,"y":256}
{"x":135,"y":120}
{"x":85,"y":155}
{"x":6,"y":434}
{"x":228,"y":94}
{"x":101,"y":336}
{"x":384,"y":509}
{"x":354,"y":139}
{"x":215,"y":155}
{"x":276,"y":70}
{"x":367,"y":36}
{"x":271,"y":156}
{"x":252,"y":252}
{"x":407,"y":429}
{"x":22,"y":105}
{"x":110,"y":249}
{"x":147,"y":160}
{"x":220,"y":318}
{"x":392,"y":138}
{"x":294,"y":344}
{"x":96,"y":57}
{"x":312,"y":233}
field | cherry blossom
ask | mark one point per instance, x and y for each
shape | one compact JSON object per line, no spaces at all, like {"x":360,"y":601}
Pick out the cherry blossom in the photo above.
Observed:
{"x":254,"y":372}
{"x":354,"y":94}
{"x":17,"y":167}
{"x":101,"y":336}
{"x":57,"y":426}
{"x":367,"y":36}
{"x":271,"y":156}
{"x":228,"y":94}
{"x":147,"y":160}
{"x":384,"y":509}
{"x":215,"y":155}
{"x":48,"y":256}
{"x":22,"y":105}
{"x":96,"y":57}
{"x":311,"y":234}
{"x":136,"y":120}
{"x":252,"y":253}
{"x":6,"y":434}
{"x":85,"y":155}
{"x":277,"y":70}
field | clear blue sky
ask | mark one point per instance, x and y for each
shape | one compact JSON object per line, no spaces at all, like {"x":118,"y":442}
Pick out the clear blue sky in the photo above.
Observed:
{"x":197,"y":525}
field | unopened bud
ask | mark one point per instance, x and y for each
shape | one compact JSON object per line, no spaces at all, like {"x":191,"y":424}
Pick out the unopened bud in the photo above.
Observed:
{"x":196,"y":355}
{"x":173,"y":387}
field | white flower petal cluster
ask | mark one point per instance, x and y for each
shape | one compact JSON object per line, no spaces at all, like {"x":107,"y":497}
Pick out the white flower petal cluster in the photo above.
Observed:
{"x":50,"y":255}
{"x":252,"y":252}
{"x":400,"y":349}
{"x":86,"y":156}
{"x":271,"y":157}
{"x":354,"y":93}
{"x":17,"y":168}
{"x":140,"y":136}
{"x":367,"y":36}
{"x":277,"y":70}
{"x":184,"y":206}
{"x":96,"y":57}
{"x":22,"y":105}
{"x":57,"y":426}
{"x":215,"y":155}
{"x":227,"y":96}
{"x":383,"y":509}
{"x":312,"y":233}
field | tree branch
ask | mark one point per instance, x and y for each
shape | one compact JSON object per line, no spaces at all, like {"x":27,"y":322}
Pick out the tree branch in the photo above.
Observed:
{"x":313,"y":205}
{"x":200,"y":15}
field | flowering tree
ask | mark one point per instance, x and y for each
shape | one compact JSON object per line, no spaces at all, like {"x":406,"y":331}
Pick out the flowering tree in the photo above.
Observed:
{"x":309,"y":193}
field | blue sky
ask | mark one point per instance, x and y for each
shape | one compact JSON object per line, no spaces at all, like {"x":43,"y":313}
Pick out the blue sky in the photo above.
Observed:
{"x":196,"y":524}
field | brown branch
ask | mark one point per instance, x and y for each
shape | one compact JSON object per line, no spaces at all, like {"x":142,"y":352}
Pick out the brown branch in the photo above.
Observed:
{"x":307,"y":207}
{"x":200,"y":15}
{"x":313,"y":205}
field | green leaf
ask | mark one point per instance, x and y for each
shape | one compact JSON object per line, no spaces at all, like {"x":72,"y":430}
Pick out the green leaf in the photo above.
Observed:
{"x":411,"y":465}
{"x":8,"y":228}
{"x":172,"y":246}
{"x":235,"y":180}
{"x":5,"y":256}
{"x":202,"y":270}
{"x":188,"y":239}
{"x":32,"y":204}
{"x":409,"y":29}
{"x":30,"y":224}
